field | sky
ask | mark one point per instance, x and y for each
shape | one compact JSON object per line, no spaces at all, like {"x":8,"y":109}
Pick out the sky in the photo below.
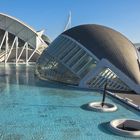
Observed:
{"x":52,"y":15}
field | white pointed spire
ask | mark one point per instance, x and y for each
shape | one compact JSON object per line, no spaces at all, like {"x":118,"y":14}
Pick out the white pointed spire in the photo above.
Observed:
{"x":41,"y":32}
{"x":68,"y":25}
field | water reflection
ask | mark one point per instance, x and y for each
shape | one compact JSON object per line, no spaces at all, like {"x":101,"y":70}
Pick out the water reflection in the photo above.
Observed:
{"x":12,"y":74}
{"x":24,"y":75}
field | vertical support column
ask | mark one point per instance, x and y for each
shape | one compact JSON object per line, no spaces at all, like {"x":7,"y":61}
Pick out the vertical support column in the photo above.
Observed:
{"x":27,"y":54}
{"x":3,"y":39}
{"x":6,"y":46}
{"x":10,"y":50}
{"x":36,"y":47}
{"x":16,"y":49}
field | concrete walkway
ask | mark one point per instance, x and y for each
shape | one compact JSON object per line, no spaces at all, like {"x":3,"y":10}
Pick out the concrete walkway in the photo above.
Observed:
{"x":130,"y":98}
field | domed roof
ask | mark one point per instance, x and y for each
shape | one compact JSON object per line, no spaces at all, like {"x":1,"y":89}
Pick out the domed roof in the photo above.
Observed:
{"x":107,"y":43}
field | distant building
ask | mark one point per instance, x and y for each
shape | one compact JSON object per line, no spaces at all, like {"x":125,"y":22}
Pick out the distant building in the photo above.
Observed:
{"x":19,"y":43}
{"x":137,"y":45}
{"x":89,"y":56}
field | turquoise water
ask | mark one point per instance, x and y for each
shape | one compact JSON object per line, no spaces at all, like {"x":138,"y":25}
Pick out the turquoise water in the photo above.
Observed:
{"x":31,"y":109}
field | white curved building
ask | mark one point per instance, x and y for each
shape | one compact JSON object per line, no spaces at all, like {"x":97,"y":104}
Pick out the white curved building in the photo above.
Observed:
{"x":19,"y":43}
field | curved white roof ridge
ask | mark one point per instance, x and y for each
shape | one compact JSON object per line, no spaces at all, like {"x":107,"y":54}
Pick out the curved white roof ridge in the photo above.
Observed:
{"x":19,"y":21}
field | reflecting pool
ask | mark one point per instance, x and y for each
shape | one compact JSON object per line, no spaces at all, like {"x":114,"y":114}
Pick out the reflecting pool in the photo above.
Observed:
{"x":32,"y":109}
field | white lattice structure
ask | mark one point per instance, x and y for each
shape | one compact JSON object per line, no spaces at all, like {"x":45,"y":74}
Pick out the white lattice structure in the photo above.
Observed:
{"x":106,"y":72}
{"x":19,"y":43}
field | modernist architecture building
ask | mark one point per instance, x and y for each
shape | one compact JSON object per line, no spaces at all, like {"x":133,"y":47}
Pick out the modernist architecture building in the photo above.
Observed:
{"x":137,"y":45}
{"x":19,"y":43}
{"x":89,"y":56}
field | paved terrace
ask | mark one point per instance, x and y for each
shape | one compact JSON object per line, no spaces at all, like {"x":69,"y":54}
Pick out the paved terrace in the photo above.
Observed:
{"x":129,"y":98}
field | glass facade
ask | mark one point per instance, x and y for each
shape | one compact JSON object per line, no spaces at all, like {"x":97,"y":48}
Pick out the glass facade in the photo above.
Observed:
{"x":65,"y":61}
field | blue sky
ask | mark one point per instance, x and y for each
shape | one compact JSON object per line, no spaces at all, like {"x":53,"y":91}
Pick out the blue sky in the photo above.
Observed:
{"x":122,"y":15}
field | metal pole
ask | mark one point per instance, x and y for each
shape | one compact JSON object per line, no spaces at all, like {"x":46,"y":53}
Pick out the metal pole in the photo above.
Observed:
{"x":104,"y":95}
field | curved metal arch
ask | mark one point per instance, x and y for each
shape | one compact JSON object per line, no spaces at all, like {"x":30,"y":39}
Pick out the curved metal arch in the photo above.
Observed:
{"x":19,"y":21}
{"x":21,"y":30}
